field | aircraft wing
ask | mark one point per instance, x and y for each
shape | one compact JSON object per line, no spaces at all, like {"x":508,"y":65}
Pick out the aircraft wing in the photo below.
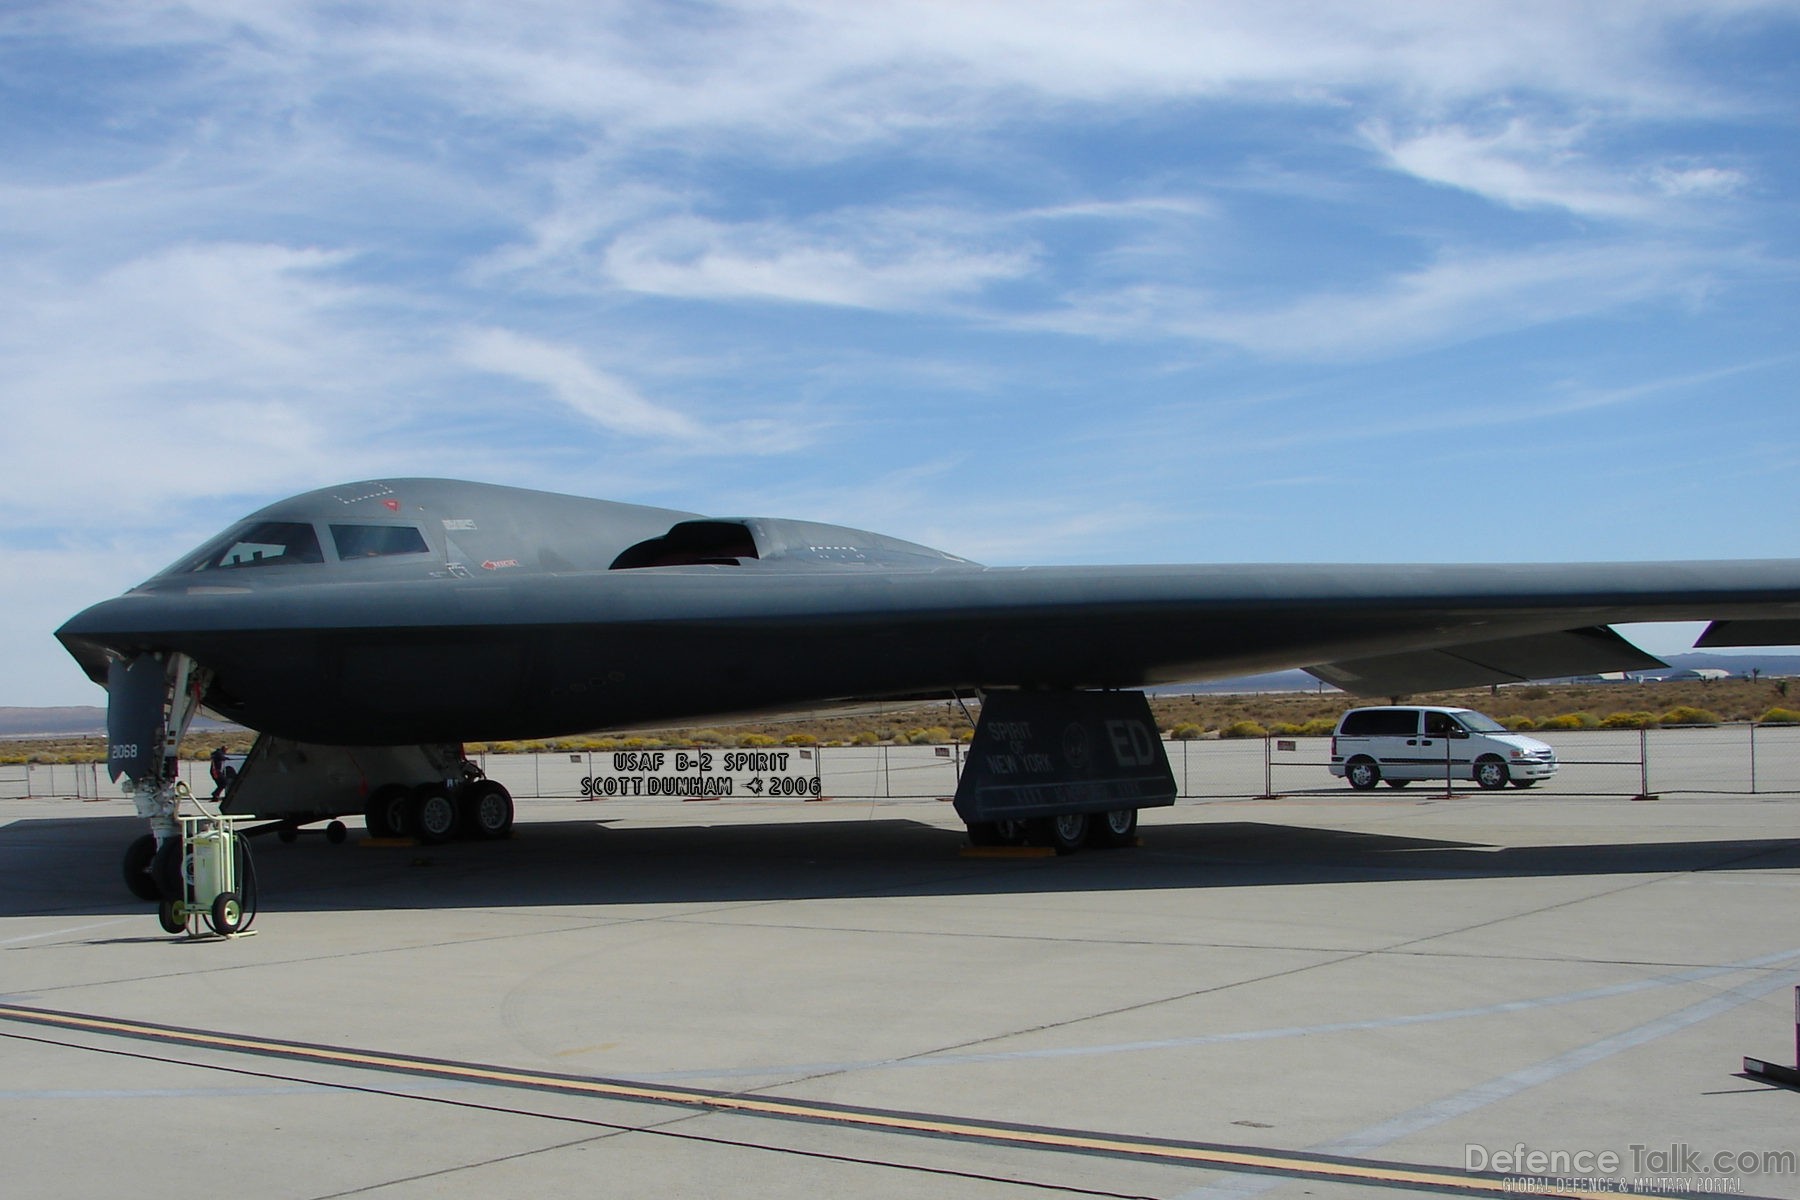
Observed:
{"x":428,"y":611}
{"x":443,"y":659}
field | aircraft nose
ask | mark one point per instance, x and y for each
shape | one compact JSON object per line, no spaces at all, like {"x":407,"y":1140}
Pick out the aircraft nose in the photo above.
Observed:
{"x":111,"y":627}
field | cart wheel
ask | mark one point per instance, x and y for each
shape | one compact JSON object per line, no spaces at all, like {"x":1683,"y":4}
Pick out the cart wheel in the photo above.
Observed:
{"x":170,"y":915}
{"x":336,"y":832}
{"x":138,"y":857}
{"x":227,"y":913}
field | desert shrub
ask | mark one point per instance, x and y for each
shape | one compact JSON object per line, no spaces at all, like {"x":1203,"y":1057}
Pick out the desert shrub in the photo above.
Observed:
{"x":1285,"y":729}
{"x":799,"y":739}
{"x":1519,"y":723}
{"x":1688,"y":715}
{"x":1629,"y":720}
{"x":1319,"y":727}
{"x":865,"y":737}
{"x":1187,"y":731}
{"x":756,"y":739}
{"x":1780,"y":716}
{"x":708,"y":737}
{"x":935,"y":735}
{"x":1245,"y":729}
{"x":1578,"y":720}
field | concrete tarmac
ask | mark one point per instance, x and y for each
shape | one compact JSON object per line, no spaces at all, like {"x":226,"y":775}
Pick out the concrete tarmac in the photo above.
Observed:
{"x":1318,"y":996}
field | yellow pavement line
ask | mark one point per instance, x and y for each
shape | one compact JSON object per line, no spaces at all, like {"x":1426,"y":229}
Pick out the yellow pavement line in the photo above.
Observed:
{"x":1223,"y":1157}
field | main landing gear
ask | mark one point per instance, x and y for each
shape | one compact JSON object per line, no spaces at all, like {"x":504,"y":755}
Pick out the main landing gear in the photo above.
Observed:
{"x":1065,"y":833}
{"x":478,"y":808}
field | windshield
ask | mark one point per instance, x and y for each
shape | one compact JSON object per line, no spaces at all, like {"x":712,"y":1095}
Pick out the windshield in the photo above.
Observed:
{"x":377,"y":541}
{"x":264,"y":544}
{"x":1480,"y":723}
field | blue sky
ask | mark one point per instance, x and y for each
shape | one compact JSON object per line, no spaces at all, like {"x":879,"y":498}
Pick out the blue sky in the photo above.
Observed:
{"x":1035,"y":281}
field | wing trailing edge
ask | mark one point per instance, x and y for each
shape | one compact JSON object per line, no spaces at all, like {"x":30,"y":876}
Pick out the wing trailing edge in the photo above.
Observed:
{"x":1751,"y":633}
{"x":1589,"y":651}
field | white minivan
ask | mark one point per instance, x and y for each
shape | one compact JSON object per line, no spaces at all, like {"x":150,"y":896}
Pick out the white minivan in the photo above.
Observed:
{"x":1402,"y":743}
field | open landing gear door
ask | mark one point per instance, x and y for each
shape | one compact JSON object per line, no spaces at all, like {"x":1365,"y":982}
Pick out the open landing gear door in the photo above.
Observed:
{"x":136,"y":692}
{"x":1044,"y":754}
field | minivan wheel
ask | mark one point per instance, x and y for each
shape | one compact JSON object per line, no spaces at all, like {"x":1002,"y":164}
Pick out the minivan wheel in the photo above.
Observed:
{"x":1491,"y":773}
{"x":1362,"y":774}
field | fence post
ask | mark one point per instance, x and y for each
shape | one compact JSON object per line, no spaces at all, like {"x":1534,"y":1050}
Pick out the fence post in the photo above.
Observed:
{"x":1644,"y":792}
{"x":1753,"y":784}
{"x":1268,"y":765}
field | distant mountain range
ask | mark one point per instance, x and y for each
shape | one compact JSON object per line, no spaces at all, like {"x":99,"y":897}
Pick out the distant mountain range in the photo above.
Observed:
{"x":1300,"y":681}
{"x":76,"y":720}
{"x":72,"y":721}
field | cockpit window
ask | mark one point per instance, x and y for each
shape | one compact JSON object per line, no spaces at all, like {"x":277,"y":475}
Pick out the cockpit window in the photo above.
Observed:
{"x":377,"y":541}
{"x":268,"y":544}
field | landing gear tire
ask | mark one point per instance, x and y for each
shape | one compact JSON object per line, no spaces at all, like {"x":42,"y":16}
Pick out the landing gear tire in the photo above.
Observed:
{"x":1491,"y":773}
{"x":487,"y":810}
{"x":170,"y":918}
{"x":136,"y":866}
{"x":385,"y":813}
{"x":1362,"y":774}
{"x":336,"y":832}
{"x":433,"y":814}
{"x":1111,"y":830}
{"x":1064,"y":834}
{"x":171,"y":869}
{"x":227,"y":913}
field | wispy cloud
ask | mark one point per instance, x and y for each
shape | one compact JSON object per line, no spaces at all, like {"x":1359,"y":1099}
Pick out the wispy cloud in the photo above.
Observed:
{"x":1458,"y":296}
{"x":1525,"y":164}
{"x":594,"y":394}
{"x":241,"y":359}
{"x":877,"y":260}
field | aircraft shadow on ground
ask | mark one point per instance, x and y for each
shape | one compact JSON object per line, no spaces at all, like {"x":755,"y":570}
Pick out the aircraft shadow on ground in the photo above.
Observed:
{"x":72,"y":867}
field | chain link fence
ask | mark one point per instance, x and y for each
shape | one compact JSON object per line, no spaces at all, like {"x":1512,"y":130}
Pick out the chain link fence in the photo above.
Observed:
{"x":1718,"y":760}
{"x":26,"y":781}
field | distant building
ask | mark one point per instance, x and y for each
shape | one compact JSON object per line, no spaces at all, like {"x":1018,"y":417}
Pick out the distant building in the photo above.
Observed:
{"x":1693,"y":674}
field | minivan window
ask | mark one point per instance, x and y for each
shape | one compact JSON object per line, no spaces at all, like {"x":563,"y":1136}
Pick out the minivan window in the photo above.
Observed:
{"x":1382,"y":722}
